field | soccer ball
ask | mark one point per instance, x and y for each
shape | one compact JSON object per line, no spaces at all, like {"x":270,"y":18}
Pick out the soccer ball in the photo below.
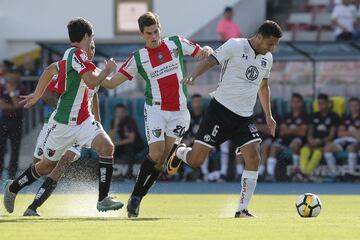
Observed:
{"x":308,"y":205}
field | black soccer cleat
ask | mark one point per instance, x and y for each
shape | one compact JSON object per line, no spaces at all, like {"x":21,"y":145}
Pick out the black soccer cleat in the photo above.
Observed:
{"x":244,"y":214}
{"x":133,"y":206}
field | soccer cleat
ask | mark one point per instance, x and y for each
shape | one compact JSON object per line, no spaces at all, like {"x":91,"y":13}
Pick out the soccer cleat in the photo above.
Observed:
{"x":244,"y":214}
{"x":174,"y":162}
{"x":108,"y":204}
{"x":9,"y":197}
{"x":133,"y":207}
{"x":30,"y":213}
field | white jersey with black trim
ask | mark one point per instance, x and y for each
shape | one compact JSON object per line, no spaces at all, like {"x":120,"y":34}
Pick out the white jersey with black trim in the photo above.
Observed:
{"x":241,"y":75}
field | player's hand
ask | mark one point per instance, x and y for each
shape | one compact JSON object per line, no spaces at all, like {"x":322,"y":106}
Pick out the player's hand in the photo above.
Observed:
{"x":271,"y":124}
{"x":188,"y":81}
{"x":110,"y":65}
{"x":29,"y":100}
{"x":205,"y":52}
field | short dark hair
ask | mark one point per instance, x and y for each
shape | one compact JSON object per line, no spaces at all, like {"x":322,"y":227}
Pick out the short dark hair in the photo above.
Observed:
{"x":270,"y":28}
{"x":148,"y":19}
{"x":120,"y":105}
{"x":77,"y":28}
{"x":297,"y":95}
{"x":196,"y":95}
{"x":323,"y":96}
{"x":228,"y":9}
{"x":354,"y":99}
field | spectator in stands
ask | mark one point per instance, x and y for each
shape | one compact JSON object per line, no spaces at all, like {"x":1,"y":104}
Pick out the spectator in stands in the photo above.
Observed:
{"x":28,"y":68}
{"x":322,"y":130}
{"x":344,"y":18}
{"x":227,"y":28}
{"x":348,"y":139}
{"x":125,"y":136}
{"x":3,"y":71}
{"x":293,"y":129}
{"x":11,"y":120}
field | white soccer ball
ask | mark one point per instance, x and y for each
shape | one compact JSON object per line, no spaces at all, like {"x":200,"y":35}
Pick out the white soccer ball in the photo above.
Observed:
{"x":308,"y":205}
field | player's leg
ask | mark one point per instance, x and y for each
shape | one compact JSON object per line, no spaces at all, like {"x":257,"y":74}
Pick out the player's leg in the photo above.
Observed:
{"x":352,"y":150}
{"x":15,"y":134}
{"x":29,"y":176}
{"x":329,"y":150}
{"x":265,"y":148}
{"x":51,"y":180}
{"x":3,"y":141}
{"x":271,"y":161}
{"x":240,"y":164}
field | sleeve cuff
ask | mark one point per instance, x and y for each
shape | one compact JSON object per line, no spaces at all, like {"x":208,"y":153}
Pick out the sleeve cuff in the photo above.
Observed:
{"x":121,"y":70}
{"x":195,"y":51}
{"x":218,"y":62}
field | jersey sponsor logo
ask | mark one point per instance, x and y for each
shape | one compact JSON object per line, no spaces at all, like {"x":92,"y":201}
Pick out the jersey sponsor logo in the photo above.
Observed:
{"x":252,"y":73}
{"x":179,"y":131}
{"x":156,"y":132}
{"x":78,"y":62}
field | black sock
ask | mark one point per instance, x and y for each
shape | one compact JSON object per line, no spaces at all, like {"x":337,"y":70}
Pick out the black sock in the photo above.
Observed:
{"x":43,"y":193}
{"x":152,"y":179}
{"x":25,"y":179}
{"x":146,"y":169}
{"x":105,"y":175}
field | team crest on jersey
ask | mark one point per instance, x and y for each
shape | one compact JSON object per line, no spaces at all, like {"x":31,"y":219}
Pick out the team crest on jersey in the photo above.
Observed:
{"x":160,"y":57}
{"x":252,"y":128}
{"x":156,"y":132}
{"x":252,"y":73}
{"x":175,"y":53}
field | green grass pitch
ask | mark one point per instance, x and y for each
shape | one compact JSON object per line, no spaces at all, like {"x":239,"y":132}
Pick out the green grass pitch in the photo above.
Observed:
{"x":182,"y":216}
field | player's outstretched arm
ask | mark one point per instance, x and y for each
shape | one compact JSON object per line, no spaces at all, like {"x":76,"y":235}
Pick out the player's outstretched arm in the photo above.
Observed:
{"x":264,"y":97}
{"x":43,"y":82}
{"x":115,"y":81}
{"x":204,"y":52}
{"x":92,"y":79}
{"x":202,"y":67}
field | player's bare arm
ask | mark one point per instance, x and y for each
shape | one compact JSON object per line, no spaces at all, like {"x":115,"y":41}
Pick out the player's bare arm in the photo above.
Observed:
{"x":95,"y":107}
{"x":115,"y":81}
{"x":264,"y":96}
{"x":43,"y":82}
{"x":204,"y":52}
{"x":202,"y":67}
{"x":92,"y":80}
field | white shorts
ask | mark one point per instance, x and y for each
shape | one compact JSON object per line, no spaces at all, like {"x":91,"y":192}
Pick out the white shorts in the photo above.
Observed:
{"x":38,"y":152}
{"x":159,"y":122}
{"x":60,"y":137}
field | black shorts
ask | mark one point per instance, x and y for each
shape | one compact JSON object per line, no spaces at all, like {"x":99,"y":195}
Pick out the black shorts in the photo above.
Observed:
{"x":220,"y":124}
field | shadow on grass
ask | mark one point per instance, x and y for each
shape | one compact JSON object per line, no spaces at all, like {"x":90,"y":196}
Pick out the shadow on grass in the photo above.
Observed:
{"x":4,"y":219}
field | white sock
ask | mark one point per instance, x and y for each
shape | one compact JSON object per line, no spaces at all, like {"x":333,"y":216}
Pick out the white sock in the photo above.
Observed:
{"x":331,"y":162}
{"x":271,"y":163}
{"x":352,"y":161}
{"x":239,"y":168}
{"x":295,"y":159}
{"x":261,"y":169}
{"x":248,"y":184}
{"x":181,"y":153}
{"x":205,"y":167}
{"x":224,"y":157}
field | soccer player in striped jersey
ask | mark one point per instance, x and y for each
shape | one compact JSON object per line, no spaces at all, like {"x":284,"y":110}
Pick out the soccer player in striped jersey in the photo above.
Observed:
{"x":72,"y":122}
{"x":160,"y":64}
{"x":246,"y":65}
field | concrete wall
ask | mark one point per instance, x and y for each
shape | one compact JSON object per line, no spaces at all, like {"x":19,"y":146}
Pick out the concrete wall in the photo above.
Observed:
{"x":24,"y":22}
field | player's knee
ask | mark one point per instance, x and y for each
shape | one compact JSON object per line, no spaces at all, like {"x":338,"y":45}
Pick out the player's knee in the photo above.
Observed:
{"x":352,"y":148}
{"x":156,"y":155}
{"x":44,"y":167}
{"x":106,"y":148}
{"x":328,"y":148}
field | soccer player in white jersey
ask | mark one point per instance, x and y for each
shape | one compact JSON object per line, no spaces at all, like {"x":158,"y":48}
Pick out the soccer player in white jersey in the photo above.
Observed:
{"x":160,"y":65}
{"x":72,"y":121}
{"x":246,"y":65}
